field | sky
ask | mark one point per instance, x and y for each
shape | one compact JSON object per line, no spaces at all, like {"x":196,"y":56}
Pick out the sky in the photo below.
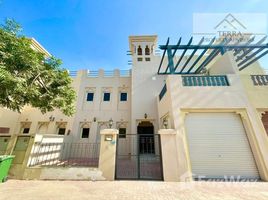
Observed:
{"x":89,"y":34}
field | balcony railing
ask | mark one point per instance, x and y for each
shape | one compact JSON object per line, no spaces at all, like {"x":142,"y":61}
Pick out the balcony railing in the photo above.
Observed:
{"x":93,"y":74}
{"x":163,"y":92}
{"x":72,"y":73}
{"x":260,"y":80}
{"x":103,"y":73}
{"x":205,"y":81}
{"x":65,"y":154}
{"x":108,"y":73}
{"x":124,"y":73}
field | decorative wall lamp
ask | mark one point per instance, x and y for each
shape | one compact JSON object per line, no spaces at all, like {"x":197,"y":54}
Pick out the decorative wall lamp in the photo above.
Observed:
{"x":51,"y":118}
{"x":145,"y":115}
{"x":94,"y":119}
{"x":165,"y":123}
{"x":111,"y":123}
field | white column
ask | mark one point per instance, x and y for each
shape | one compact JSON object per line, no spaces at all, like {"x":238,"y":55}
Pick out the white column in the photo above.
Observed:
{"x":169,"y":154}
{"x":108,"y":153}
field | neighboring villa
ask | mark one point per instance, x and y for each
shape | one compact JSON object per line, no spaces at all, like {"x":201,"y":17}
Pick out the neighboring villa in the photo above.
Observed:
{"x":211,"y":114}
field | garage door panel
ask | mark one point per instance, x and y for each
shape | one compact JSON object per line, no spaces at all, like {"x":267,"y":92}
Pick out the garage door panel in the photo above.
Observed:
{"x":218,"y":145}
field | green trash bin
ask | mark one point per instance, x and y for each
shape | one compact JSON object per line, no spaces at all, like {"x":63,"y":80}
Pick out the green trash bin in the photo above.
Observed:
{"x":5,"y":163}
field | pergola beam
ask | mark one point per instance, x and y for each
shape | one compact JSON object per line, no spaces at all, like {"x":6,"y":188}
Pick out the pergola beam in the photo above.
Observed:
{"x":171,"y":50}
{"x":250,"y":56}
{"x":253,"y":60}
{"x":200,"y":56}
{"x":183,"y":53}
{"x":163,"y":56}
{"x":249,"y":50}
{"x":211,"y":56}
{"x":178,"y":44}
{"x":247,"y":43}
{"x":192,"y":54}
{"x":227,"y":47}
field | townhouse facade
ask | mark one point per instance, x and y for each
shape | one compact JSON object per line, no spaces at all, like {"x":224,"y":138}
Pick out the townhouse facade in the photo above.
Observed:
{"x":215,"y":121}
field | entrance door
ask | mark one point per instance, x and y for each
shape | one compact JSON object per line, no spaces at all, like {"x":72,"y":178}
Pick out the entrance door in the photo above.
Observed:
{"x":138,"y":156}
{"x":146,"y":138}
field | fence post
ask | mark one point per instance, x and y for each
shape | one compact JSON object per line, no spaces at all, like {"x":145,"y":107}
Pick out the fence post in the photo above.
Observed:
{"x":169,"y":154}
{"x":108,"y":153}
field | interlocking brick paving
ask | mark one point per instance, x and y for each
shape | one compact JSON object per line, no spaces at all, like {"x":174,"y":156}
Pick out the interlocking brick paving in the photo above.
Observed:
{"x":113,"y":190}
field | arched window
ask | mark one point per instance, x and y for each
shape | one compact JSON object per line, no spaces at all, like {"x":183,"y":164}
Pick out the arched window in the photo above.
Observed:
{"x":85,"y":128}
{"x":139,"y":51}
{"x":61,"y":128}
{"x":147,"y":50}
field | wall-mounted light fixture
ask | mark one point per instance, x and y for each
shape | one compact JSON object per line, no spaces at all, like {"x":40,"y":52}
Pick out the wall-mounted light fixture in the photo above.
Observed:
{"x":51,"y":118}
{"x":165,"y":123}
{"x":145,"y":115}
{"x":94,"y":119}
{"x":111,"y":123}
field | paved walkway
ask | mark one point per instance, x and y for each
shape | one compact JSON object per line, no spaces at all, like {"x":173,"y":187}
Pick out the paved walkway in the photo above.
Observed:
{"x":64,"y":190}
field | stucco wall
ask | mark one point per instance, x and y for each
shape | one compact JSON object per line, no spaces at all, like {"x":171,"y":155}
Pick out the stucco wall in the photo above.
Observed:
{"x":9,"y":119}
{"x":71,"y":173}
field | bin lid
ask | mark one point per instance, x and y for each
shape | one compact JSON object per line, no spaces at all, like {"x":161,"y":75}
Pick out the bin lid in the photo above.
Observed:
{"x":4,"y":157}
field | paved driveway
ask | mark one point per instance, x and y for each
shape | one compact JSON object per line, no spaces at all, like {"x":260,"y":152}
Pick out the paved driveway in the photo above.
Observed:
{"x":46,"y":190}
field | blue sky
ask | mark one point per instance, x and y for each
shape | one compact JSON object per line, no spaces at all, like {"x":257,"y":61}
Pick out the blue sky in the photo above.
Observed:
{"x":88,"y":34}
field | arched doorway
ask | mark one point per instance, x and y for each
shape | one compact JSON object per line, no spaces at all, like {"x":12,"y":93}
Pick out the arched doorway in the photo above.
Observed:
{"x":145,"y":131}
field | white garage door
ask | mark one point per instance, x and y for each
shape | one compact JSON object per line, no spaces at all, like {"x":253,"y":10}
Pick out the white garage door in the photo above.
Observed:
{"x":219,"y":146}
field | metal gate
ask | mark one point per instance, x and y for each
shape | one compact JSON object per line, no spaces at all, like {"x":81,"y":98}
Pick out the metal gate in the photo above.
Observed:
{"x":138,"y":156}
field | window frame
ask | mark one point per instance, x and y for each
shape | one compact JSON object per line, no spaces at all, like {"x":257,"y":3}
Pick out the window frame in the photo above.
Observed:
{"x":26,"y":128}
{"x":147,"y":50}
{"x":82,"y":132}
{"x":147,"y":59}
{"x":4,"y":130}
{"x":124,"y":135}
{"x":139,"y":50}
{"x":106,"y":93}
{"x":92,"y":98}
{"x":126,"y":96}
{"x":61,"y":129}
